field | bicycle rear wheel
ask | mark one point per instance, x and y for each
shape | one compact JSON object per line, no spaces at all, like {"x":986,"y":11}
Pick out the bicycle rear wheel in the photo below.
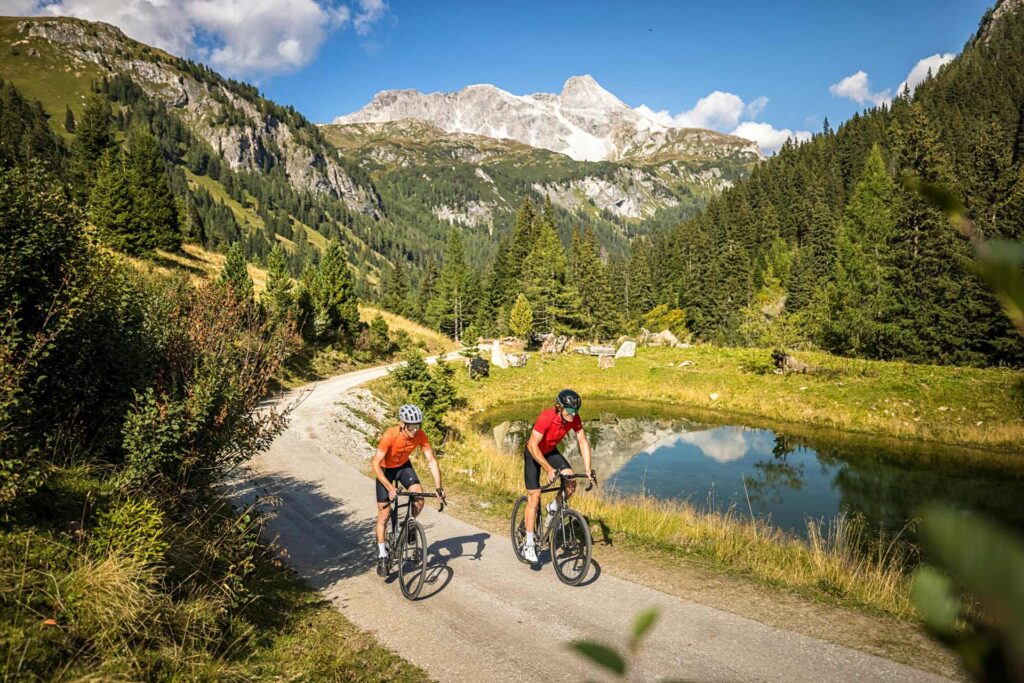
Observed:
{"x":412,"y":559}
{"x":571,"y":547}
{"x":518,"y":528}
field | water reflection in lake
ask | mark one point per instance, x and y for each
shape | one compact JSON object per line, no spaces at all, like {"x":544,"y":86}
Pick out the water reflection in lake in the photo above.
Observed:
{"x":785,"y":478}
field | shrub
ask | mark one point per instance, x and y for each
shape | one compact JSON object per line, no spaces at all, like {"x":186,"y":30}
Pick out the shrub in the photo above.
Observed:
{"x":133,"y":528}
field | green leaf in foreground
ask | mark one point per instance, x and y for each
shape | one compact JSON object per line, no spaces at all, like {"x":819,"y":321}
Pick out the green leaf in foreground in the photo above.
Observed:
{"x":600,"y":654}
{"x":987,"y":560}
{"x":935,"y":596}
{"x":641,"y":625}
{"x":1001,"y":263}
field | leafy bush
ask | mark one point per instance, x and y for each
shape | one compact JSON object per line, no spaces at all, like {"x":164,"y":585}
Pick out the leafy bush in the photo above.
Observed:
{"x":134,"y":528}
{"x":433,"y":391}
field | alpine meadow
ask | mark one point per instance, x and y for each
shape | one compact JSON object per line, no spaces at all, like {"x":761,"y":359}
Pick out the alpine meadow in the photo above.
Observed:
{"x":785,"y":367}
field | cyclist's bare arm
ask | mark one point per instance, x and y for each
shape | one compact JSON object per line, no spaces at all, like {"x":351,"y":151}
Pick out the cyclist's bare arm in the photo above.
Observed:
{"x":378,"y":458}
{"x":584,"y":450}
{"x":435,"y":469}
{"x":533,"y":445}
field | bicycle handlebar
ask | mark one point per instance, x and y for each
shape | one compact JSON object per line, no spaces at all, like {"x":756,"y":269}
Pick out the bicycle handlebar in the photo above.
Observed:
{"x":413,"y":494}
{"x":592,"y":477}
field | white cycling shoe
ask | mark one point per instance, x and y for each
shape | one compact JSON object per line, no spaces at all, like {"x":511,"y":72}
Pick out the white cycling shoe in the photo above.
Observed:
{"x":530,"y":554}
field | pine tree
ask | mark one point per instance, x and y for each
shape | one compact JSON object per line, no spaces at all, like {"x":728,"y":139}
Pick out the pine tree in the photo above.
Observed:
{"x":235,"y":275}
{"x":395,"y":290}
{"x":452,"y":307}
{"x":92,"y":138}
{"x":555,"y":301}
{"x":154,"y":203}
{"x":335,"y":309}
{"x":112,"y":208}
{"x":278,"y":298}
{"x":69,"y":120}
{"x":641,"y":295}
{"x":520,"y":318}
{"x":599,"y":316}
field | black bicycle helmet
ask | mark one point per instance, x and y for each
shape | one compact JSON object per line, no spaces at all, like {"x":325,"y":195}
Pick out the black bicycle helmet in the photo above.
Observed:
{"x":567,"y":398}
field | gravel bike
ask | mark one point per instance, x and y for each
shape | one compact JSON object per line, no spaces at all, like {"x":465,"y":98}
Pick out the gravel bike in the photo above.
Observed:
{"x":567,"y":536}
{"x":407,"y":543}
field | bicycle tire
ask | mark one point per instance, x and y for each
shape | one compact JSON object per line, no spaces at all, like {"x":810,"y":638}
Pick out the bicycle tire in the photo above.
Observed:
{"x":412,"y":570}
{"x":518,"y":528}
{"x":571,"y":547}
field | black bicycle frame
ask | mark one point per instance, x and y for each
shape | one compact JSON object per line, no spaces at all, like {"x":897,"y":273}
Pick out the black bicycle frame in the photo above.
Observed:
{"x":563,"y":480}
{"x":396,"y":506}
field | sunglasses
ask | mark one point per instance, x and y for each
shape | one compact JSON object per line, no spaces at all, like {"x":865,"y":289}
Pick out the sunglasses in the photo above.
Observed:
{"x":569,"y":411}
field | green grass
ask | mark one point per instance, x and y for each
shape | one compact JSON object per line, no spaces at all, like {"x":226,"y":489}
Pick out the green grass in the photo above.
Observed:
{"x":214,"y":606}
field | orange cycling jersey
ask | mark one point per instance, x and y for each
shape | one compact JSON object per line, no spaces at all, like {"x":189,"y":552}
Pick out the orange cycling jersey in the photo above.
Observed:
{"x":397,"y":445}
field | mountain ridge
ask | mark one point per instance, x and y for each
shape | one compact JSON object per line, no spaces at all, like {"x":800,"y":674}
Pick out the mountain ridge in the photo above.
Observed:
{"x":584,"y":121}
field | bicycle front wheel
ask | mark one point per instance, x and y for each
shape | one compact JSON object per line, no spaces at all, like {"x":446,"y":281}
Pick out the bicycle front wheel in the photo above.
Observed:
{"x":571,"y":547}
{"x":519,"y":528}
{"x":412,"y":559}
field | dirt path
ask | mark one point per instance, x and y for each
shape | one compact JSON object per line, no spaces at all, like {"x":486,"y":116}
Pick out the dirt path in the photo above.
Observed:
{"x":485,"y":616}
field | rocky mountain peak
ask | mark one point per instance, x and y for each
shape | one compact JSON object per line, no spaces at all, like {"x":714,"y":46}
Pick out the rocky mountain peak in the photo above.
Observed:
{"x":584,"y":121}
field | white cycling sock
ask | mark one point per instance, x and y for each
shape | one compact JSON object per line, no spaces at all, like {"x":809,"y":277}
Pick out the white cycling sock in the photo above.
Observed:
{"x":529,"y":538}
{"x":382,"y":550}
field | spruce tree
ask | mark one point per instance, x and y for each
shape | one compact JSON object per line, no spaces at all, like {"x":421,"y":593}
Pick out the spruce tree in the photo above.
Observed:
{"x":112,"y":208}
{"x":452,"y":307}
{"x":92,"y":138}
{"x":69,"y":120}
{"x":154,"y":204}
{"x":335,"y":308}
{"x":278,"y":298}
{"x":599,"y":317}
{"x":235,"y":275}
{"x":554,"y":299}
{"x":395,"y":290}
{"x":520,"y":318}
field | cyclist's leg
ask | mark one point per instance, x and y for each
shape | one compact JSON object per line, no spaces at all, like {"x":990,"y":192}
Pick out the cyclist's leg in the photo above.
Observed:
{"x":382,"y":506}
{"x":559,"y":462}
{"x":407,"y":475}
{"x":531,"y":477}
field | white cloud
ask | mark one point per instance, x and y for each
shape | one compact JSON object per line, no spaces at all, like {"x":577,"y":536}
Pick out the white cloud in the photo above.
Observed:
{"x":248,"y":37}
{"x":768,"y":137}
{"x":370,"y":11}
{"x":856,"y":88}
{"x":723,"y":112}
{"x":920,"y":70}
{"x":723,"y":444}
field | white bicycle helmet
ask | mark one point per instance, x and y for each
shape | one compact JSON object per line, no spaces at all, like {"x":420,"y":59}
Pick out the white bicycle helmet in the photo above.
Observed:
{"x":410,"y":414}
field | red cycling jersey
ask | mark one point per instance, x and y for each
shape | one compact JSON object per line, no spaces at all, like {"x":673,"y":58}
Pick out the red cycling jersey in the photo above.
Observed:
{"x":554,"y":428}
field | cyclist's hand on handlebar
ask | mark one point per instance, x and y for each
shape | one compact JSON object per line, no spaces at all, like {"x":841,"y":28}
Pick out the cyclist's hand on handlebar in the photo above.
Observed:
{"x":392,"y":493}
{"x":440,"y":495}
{"x":592,"y":477}
{"x":551,"y":476}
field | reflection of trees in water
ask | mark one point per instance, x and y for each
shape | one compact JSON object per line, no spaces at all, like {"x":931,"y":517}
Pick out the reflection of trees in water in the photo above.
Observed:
{"x":776,"y":475}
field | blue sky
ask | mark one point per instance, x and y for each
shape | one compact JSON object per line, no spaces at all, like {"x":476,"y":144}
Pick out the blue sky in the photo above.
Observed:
{"x":328,"y":57}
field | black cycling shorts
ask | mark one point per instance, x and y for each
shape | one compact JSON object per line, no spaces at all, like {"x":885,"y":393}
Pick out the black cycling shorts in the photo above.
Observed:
{"x":531,"y":468}
{"x":403,"y":473}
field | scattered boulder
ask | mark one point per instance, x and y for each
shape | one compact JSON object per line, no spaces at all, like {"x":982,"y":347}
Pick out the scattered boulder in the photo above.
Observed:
{"x":561,"y":344}
{"x":602,"y":350}
{"x":626,"y":350}
{"x":663,"y":338}
{"x":686,"y":364}
{"x":585,"y":350}
{"x":518,"y":360}
{"x":604,"y":362}
{"x":479,"y":368}
{"x":498,"y":357}
{"x":785,"y":364}
{"x":713,"y":396}
{"x":33,"y":52}
{"x":547,"y":343}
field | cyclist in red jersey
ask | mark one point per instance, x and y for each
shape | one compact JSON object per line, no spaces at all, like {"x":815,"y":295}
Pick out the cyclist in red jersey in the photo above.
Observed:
{"x":391,"y":463}
{"x":542,"y":453}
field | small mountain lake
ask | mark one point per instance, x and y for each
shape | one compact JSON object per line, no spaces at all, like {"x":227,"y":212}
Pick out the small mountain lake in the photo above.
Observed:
{"x":789,"y":474}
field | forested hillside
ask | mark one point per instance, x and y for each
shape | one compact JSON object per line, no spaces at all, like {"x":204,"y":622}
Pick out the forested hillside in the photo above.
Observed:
{"x":825,"y":243}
